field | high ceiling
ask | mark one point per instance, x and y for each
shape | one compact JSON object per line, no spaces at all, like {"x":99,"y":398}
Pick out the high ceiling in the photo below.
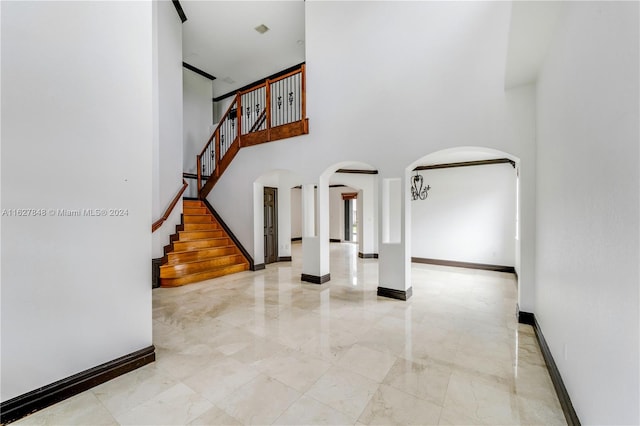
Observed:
{"x":219,"y":37}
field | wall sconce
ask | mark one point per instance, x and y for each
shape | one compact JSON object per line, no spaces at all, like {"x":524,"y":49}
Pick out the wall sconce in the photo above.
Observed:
{"x":418,"y":190}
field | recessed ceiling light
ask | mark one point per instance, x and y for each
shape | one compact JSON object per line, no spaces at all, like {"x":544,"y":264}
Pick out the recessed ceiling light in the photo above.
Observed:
{"x":262,"y":28}
{"x":228,"y":80}
{"x":300,"y":42}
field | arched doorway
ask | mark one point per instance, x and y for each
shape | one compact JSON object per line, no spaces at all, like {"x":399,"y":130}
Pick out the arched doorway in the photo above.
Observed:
{"x":465,"y":209}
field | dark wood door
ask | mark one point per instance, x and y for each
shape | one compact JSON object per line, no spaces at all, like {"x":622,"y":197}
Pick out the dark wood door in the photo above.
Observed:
{"x":270,"y":225}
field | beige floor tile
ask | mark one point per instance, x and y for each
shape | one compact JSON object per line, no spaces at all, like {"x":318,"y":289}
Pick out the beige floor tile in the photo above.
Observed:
{"x":480,"y":400}
{"x":390,"y":406}
{"x":215,"y":416}
{"x":293,"y":368}
{"x":177,"y":405}
{"x":126,"y":392}
{"x":82,"y":409}
{"x":537,"y":412}
{"x":344,"y":391}
{"x":260,"y":401}
{"x":308,"y":411}
{"x":216,"y":381}
{"x":425,"y":380}
{"x":367,"y":362}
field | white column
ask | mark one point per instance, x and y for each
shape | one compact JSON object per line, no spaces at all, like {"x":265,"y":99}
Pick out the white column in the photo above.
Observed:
{"x":308,"y":211}
{"x":310,"y":247}
{"x":395,"y":244}
{"x":284,"y":221}
{"x":258,"y":225}
{"x":315,"y":247}
{"x":367,"y":222}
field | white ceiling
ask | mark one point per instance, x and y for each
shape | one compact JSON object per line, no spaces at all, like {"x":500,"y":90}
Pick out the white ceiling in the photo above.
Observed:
{"x":219,"y":38}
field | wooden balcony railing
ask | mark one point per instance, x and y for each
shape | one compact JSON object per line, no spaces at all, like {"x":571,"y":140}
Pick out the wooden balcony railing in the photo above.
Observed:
{"x":272,"y":110}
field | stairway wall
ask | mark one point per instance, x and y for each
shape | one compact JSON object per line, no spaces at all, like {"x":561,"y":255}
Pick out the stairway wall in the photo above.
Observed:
{"x":168,"y":120}
{"x":198,"y":116}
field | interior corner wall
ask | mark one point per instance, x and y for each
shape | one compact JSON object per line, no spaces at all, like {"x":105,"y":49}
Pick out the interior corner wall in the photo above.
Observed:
{"x":588,"y":208}
{"x":469,"y":215}
{"x":168,"y":104}
{"x":76,"y":135}
{"x":197,"y":117}
{"x":296,"y":213}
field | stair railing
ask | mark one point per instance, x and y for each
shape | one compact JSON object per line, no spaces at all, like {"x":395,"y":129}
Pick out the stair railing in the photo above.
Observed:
{"x":158,"y":223}
{"x":272,"y":110}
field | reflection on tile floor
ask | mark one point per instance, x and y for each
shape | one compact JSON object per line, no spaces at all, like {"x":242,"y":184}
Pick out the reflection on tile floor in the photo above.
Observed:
{"x":265,"y":348}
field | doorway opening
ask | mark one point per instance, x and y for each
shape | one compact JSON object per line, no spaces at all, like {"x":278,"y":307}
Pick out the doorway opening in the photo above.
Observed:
{"x":350,"y":216}
{"x":270,"y":225}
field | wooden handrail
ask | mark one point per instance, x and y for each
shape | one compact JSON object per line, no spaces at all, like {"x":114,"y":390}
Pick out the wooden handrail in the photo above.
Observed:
{"x":158,"y":223}
{"x":289,"y":74}
{"x":251,"y":89}
{"x":208,"y":142}
{"x":234,"y":101}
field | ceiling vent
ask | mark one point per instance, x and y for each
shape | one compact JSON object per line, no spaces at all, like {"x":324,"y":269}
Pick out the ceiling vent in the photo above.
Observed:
{"x":262,"y":28}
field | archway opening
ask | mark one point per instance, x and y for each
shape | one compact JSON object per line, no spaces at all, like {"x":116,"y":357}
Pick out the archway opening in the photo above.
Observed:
{"x":465,"y":209}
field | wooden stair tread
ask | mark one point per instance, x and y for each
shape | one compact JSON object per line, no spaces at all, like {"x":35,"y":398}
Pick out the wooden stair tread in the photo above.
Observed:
{"x":205,"y":275}
{"x":201,"y":239}
{"x":204,"y":260}
{"x":188,"y":268}
{"x":202,"y":249}
{"x":175,"y":258}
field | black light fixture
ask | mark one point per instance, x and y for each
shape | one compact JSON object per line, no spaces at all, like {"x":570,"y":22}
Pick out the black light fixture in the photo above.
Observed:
{"x":418,"y":190}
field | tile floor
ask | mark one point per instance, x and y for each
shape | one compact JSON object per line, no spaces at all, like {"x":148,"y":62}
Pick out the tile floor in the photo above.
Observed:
{"x":264,"y":348}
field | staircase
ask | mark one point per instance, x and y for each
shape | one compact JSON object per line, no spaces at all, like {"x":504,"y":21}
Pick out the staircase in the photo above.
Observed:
{"x":200,"y":250}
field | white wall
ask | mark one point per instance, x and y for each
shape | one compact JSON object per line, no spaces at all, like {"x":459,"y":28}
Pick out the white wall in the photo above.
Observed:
{"x":588,"y":209}
{"x":76,"y":134}
{"x":197,"y":117}
{"x":167,"y":141}
{"x":468,"y":216}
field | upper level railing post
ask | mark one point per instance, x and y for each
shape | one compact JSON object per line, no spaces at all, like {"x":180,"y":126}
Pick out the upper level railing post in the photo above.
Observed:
{"x":268,"y":106}
{"x":239,"y":118}
{"x":199,"y":165}
{"x":304,"y":91}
